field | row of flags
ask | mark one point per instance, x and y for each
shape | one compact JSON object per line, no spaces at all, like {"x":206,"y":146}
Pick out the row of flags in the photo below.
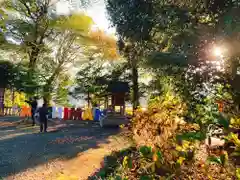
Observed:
{"x":59,"y":113}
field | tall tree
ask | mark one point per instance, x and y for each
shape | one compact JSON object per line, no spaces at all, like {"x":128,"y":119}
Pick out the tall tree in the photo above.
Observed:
{"x":133,"y":31}
{"x":65,"y":52}
{"x":7,"y":74}
{"x":61,"y":90}
{"x":37,"y":29}
{"x":73,"y":48}
{"x":102,"y":46}
{"x":93,"y":78}
{"x":86,"y":81}
{"x":177,"y":32}
{"x":30,"y":25}
{"x":34,"y":23}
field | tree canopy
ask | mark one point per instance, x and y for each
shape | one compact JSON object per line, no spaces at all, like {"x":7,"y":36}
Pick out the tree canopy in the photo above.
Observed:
{"x":35,"y":24}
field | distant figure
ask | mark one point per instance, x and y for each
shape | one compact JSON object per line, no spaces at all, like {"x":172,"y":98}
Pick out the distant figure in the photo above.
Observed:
{"x":33,"y":103}
{"x":43,"y":113}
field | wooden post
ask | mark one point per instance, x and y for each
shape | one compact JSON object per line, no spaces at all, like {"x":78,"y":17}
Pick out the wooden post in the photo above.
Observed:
{"x":13,"y":99}
{"x":2,"y":91}
{"x":88,"y":99}
{"x":106,"y":102}
{"x":124,"y":105}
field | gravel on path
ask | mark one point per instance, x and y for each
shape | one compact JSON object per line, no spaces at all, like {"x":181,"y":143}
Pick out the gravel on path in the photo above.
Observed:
{"x":71,"y":152}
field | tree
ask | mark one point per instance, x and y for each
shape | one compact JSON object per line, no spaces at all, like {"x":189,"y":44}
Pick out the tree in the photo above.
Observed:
{"x":39,"y":30}
{"x":36,"y":23}
{"x":61,"y":91}
{"x":133,"y":31}
{"x":102,"y":46}
{"x":65,"y":55}
{"x":7,"y":74}
{"x":86,"y":81}
{"x":177,"y":32}
{"x":71,"y":49}
{"x":30,"y":27}
{"x":93,"y":78}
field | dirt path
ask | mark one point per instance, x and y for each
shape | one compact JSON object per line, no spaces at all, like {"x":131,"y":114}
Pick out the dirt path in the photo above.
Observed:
{"x":71,"y":153}
{"x":79,"y":168}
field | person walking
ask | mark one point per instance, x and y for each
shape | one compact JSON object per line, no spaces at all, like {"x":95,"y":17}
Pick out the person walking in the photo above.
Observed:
{"x":43,"y":117}
{"x":33,"y":103}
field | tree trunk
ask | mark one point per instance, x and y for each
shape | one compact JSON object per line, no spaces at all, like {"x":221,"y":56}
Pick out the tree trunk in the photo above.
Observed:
{"x":2,"y":92}
{"x":13,"y":97}
{"x":135,"y":86}
{"x":48,"y":88}
{"x":234,"y":67}
{"x":33,"y":58}
{"x":88,"y":99}
{"x":47,"y":93}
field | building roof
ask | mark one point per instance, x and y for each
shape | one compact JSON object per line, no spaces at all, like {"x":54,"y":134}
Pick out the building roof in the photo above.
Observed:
{"x":118,"y":87}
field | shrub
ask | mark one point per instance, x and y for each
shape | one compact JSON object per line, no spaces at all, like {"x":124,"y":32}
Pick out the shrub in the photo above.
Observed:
{"x":159,"y":123}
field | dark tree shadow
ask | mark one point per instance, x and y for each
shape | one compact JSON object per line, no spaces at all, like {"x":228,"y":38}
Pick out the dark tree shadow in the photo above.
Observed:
{"x":24,"y":151}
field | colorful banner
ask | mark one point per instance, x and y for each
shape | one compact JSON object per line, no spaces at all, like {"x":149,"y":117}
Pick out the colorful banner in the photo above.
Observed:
{"x":87,"y":114}
{"x":65,"y":114}
{"x":97,"y":114}
{"x":58,"y":113}
{"x":25,"y":111}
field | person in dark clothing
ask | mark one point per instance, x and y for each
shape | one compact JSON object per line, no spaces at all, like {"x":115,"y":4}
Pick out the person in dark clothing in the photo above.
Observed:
{"x":33,"y":103}
{"x":43,"y":113}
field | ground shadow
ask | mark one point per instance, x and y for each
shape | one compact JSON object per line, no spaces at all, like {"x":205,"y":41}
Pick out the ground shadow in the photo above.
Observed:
{"x":24,"y":151}
{"x":111,"y":163}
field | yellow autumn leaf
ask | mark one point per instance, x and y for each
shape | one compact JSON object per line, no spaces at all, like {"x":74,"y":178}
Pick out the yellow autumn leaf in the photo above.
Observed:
{"x":77,"y":23}
{"x":153,"y":168}
{"x":179,"y":148}
{"x":121,"y":126}
{"x":104,"y":45}
{"x":180,"y":160}
{"x":210,"y":177}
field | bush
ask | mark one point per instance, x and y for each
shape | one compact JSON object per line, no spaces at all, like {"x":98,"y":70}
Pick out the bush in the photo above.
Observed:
{"x":167,"y":147}
{"x":159,"y":123}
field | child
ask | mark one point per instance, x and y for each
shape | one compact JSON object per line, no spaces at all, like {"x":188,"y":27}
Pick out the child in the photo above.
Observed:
{"x":43,"y":113}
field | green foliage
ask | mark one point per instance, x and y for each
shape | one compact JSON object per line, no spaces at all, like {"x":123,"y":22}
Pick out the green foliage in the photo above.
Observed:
{"x":203,"y":104}
{"x":172,"y":35}
{"x":223,"y":121}
{"x":7,"y":73}
{"x":86,"y":80}
{"x":192,"y":136}
{"x":222,"y":160}
{"x":145,"y":151}
{"x":234,"y":139}
{"x":94,"y":77}
{"x":214,"y":159}
{"x":159,"y":59}
{"x":60,"y":97}
{"x":36,"y":26}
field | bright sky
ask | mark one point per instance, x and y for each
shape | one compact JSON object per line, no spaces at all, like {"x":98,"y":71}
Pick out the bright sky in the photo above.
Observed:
{"x":97,"y":11}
